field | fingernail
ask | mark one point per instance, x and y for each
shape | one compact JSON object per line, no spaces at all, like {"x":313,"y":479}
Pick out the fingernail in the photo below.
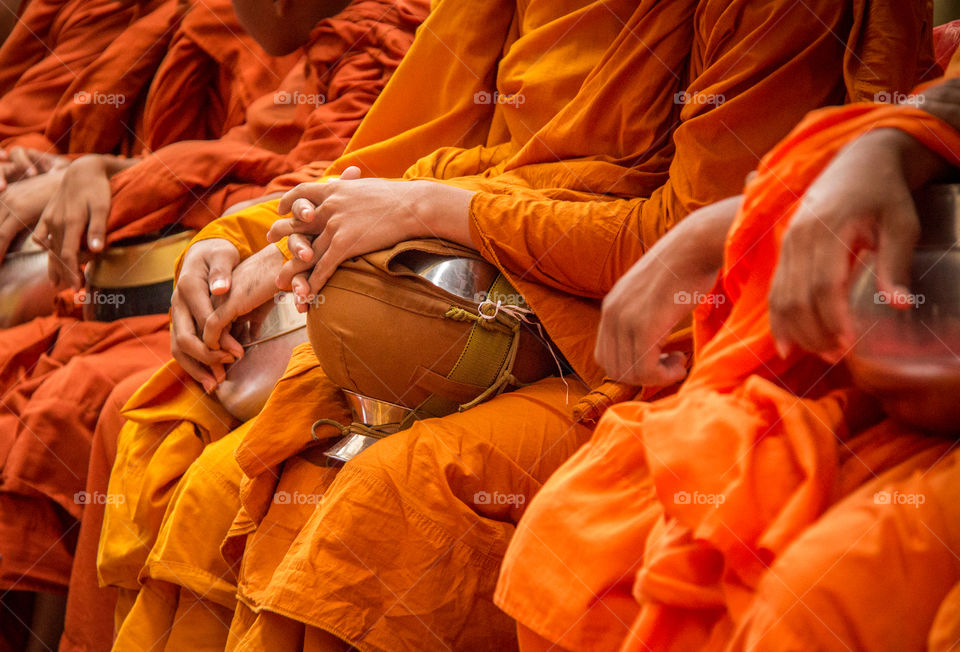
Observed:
{"x":209,"y":386}
{"x":219,"y":284}
{"x":96,"y":244}
{"x":783,"y":350}
{"x":305,"y":256}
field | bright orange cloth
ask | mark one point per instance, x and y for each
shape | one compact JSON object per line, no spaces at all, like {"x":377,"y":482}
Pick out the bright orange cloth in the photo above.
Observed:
{"x":63,"y":53}
{"x":309,"y":116}
{"x":85,"y":628}
{"x":741,"y":511}
{"x":211,"y":73}
{"x":132,"y":76}
{"x":335,"y":565}
{"x":57,"y":372}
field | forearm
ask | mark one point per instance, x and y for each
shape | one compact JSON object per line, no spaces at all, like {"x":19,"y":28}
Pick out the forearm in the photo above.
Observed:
{"x":697,"y":243}
{"x":107,"y":164}
{"x":114,"y":164}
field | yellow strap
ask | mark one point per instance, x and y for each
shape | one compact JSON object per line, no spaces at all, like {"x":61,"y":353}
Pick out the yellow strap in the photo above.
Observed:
{"x":486,"y":360}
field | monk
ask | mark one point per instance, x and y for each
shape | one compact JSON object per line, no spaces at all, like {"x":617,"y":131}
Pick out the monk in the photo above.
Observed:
{"x":343,"y":63}
{"x":480,"y":173}
{"x":54,"y":45}
{"x":743,"y":512}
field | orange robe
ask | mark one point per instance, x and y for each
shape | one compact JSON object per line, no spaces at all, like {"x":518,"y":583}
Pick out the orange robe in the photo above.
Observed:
{"x":399,"y":553}
{"x":62,"y":58}
{"x":741,"y":512}
{"x":308,"y":117}
{"x":195,"y":81}
{"x":57,"y":372}
{"x":45,"y":442}
{"x":162,"y":76}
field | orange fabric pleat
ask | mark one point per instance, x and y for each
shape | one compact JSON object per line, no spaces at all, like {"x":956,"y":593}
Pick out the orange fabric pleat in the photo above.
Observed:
{"x":56,"y":373}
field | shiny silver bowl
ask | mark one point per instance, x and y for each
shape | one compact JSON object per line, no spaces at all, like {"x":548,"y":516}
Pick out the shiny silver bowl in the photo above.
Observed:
{"x":909,"y":356}
{"x":268,"y":336}
{"x":25,"y":288}
{"x":385,"y":418}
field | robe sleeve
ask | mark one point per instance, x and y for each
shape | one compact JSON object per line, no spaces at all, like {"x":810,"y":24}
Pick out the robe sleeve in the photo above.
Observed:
{"x":246,"y":229}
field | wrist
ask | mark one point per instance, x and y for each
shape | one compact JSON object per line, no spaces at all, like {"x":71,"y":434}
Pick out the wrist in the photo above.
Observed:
{"x":443,"y":211}
{"x":272,"y":256}
{"x":917,"y":163}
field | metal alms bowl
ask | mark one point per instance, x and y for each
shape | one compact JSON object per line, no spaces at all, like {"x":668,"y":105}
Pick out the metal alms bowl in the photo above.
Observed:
{"x":381,"y":415}
{"x":25,"y":288}
{"x":466,"y":278}
{"x":909,"y":357}
{"x":268,"y":336}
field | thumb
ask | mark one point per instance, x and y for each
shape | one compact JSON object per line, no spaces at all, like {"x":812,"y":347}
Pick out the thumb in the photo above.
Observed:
{"x":221,"y":272}
{"x":898,"y":236}
{"x":351,"y":173}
